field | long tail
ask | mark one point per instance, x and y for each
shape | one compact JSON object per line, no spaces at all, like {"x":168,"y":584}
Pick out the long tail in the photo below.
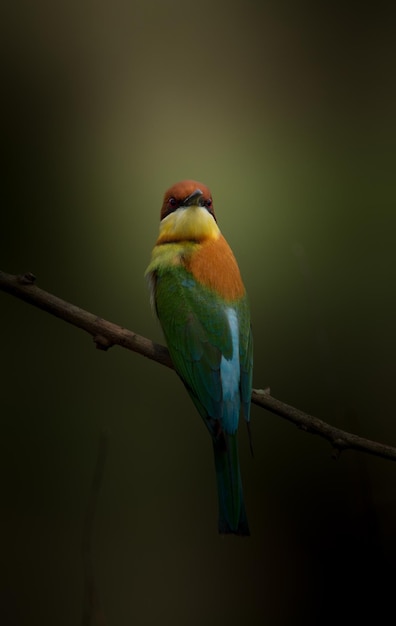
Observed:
{"x":232,"y":514}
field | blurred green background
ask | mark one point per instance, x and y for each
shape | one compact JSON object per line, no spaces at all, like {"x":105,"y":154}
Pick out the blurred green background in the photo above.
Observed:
{"x":287,"y":111}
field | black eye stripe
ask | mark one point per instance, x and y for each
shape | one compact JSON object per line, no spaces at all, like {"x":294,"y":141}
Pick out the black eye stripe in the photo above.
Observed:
{"x":172,"y":204}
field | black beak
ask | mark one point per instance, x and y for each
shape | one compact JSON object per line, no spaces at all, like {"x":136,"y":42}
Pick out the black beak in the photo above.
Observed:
{"x":193,"y":198}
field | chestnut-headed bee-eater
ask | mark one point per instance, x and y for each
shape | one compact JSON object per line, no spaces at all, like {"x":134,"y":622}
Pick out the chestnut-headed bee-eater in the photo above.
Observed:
{"x":198,"y":295}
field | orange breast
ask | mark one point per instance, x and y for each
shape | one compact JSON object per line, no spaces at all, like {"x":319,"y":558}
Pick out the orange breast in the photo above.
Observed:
{"x":214,"y":265}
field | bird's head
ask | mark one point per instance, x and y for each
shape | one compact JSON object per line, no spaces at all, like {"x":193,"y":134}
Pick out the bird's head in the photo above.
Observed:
{"x":187,"y":213}
{"x":187,"y":193}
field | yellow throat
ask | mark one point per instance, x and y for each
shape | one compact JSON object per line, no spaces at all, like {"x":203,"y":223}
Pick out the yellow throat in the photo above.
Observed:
{"x":192,"y":223}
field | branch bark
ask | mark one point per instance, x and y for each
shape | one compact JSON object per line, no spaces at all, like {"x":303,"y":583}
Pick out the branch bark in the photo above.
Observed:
{"x":106,"y":334}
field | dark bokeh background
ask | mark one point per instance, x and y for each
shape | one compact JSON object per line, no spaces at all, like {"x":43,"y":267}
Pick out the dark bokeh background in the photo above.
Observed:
{"x":288,"y":112}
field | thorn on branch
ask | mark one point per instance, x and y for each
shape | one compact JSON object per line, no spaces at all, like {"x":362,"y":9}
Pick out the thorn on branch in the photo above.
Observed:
{"x":338,"y":446}
{"x":102,"y":343}
{"x":27,"y":279}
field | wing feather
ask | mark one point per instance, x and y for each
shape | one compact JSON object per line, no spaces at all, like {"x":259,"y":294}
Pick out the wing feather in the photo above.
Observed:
{"x":195,"y":324}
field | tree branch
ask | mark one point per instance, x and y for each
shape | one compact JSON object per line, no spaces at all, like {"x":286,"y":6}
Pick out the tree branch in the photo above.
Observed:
{"x":106,"y":334}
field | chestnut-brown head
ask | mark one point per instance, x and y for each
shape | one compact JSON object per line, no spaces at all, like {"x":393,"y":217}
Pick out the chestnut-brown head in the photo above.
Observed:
{"x":187,"y":193}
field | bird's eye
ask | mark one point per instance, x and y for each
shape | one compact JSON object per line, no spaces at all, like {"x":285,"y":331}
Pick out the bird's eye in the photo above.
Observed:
{"x":172,"y":202}
{"x":208,"y":203}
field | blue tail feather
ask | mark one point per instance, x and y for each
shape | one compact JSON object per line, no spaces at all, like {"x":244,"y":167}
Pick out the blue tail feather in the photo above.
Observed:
{"x":232,"y":514}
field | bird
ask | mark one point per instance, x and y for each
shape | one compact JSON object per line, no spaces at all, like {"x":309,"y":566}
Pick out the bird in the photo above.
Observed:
{"x":197,"y":293}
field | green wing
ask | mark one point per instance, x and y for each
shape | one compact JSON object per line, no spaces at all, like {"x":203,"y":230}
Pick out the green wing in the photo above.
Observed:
{"x":197,"y":331}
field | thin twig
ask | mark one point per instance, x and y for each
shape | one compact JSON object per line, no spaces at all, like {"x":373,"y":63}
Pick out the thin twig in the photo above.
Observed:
{"x":339,"y":439}
{"x":92,"y":612}
{"x":104,"y":333}
{"x":107,"y":334}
